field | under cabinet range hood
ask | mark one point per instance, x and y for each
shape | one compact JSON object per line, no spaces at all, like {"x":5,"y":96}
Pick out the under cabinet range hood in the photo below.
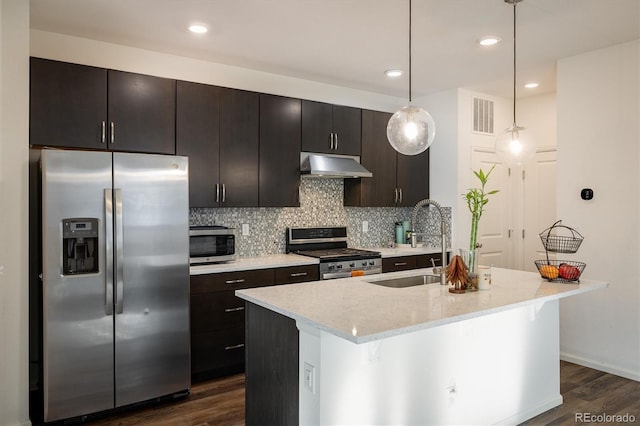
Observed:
{"x":332,"y":166}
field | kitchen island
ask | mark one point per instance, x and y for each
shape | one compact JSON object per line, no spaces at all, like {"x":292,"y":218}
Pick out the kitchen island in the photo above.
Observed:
{"x":347,"y":351}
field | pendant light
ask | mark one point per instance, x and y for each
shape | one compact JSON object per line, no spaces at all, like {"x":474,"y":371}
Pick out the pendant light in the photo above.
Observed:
{"x":411,"y":129}
{"x":515,"y":145}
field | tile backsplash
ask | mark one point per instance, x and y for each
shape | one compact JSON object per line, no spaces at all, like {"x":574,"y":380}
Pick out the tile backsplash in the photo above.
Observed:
{"x":320,"y":205}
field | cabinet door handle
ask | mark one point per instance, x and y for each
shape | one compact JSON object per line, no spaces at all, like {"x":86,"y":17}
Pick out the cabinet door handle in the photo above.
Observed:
{"x":238,"y":281}
{"x":239,"y":308}
{"x":113,"y":133}
{"x":217,"y":192}
{"x":336,"y":141}
{"x":238,"y":346}
{"x":400,"y":264}
{"x":400,"y":192}
{"x":224,"y":192}
{"x":103,"y":132}
{"x":298,"y":274}
{"x":395,"y":195}
{"x":331,"y":141}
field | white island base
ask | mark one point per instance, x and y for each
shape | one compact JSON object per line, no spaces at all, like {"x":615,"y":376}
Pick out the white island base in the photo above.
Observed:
{"x":501,"y":368}
{"x":351,"y":352}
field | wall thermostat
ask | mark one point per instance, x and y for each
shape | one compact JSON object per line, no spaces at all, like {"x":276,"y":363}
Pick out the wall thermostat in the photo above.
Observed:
{"x":586,"y":193}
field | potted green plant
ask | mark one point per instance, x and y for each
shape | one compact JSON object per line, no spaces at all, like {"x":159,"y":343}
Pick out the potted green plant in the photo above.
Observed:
{"x":476,"y":199}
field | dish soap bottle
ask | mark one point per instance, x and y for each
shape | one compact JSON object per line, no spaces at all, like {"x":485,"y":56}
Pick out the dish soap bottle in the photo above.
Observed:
{"x":399,"y":233}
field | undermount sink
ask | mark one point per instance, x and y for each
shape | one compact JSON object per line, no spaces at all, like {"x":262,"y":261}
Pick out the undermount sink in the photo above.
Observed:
{"x":407,"y":281}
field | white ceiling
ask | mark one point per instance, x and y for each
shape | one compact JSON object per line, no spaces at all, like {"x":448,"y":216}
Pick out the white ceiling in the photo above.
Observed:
{"x":351,"y":42}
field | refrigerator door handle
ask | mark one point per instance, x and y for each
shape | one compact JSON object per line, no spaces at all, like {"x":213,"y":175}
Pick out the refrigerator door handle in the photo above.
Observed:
{"x":118,"y":243}
{"x":108,"y":275}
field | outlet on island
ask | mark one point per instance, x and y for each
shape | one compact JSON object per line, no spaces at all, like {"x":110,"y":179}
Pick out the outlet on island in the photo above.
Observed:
{"x":245,"y":229}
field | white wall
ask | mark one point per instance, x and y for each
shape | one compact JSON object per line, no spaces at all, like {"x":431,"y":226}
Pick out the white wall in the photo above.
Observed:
{"x":443,"y":161}
{"x":539,"y":115}
{"x":107,"y":55}
{"x":467,"y":139}
{"x":598,"y":147}
{"x":14,"y":157}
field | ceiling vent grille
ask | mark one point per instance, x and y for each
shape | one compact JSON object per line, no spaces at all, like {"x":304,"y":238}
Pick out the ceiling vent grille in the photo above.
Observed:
{"x":482,"y":116}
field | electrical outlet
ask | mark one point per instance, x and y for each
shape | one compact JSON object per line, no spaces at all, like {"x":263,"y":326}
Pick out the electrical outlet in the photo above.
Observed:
{"x":309,"y":378}
{"x":245,"y":229}
{"x":365,"y":226}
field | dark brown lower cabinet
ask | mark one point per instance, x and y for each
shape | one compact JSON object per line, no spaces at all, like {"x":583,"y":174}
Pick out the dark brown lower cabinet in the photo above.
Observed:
{"x":400,"y":263}
{"x":218,"y":316}
{"x":217,"y":353}
{"x":271,"y":374}
{"x":297,"y":274}
{"x":424,"y":260}
{"x":217,"y":321}
{"x":403,"y":263}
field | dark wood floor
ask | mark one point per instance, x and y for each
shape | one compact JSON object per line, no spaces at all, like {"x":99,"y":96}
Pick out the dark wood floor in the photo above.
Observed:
{"x":221,"y":402}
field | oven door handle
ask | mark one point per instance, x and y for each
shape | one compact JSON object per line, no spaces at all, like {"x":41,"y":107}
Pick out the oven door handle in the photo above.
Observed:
{"x":332,"y":275}
{"x":348,"y":274}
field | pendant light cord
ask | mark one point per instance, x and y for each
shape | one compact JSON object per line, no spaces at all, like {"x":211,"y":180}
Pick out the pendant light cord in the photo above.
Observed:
{"x":514,"y":63}
{"x":410,"y":52}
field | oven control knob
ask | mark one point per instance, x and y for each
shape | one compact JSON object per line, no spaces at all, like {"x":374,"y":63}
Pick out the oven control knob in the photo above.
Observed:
{"x":339,"y":266}
{"x":352,"y":265}
{"x":331,"y":267}
{"x":364,"y":263}
{"x":372,"y":262}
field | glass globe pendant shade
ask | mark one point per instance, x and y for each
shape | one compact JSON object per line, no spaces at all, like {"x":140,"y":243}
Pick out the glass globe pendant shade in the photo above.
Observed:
{"x":411,"y":130}
{"x":515,"y":146}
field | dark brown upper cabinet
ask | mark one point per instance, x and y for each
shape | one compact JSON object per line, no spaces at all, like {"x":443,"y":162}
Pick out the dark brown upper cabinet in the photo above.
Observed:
{"x":331,"y":129}
{"x":280,"y":125}
{"x":217,"y":128}
{"x":398,"y":180}
{"x":68,"y":105}
{"x":239,"y":148}
{"x":197,"y":137}
{"x":142,"y":113}
{"x":412,"y":178}
{"x":79,"y":106}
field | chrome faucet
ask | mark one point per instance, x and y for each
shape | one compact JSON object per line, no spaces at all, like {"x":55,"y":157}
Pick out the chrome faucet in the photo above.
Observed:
{"x":443,"y":235}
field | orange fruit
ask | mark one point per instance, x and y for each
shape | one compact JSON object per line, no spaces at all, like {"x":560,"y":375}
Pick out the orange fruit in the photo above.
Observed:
{"x":549,"y":271}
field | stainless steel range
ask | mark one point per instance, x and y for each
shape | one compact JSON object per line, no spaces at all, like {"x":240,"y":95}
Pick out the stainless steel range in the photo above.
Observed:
{"x":329,"y":245}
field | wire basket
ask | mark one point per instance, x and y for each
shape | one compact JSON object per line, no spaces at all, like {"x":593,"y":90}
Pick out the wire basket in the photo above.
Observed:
{"x":562,"y":271}
{"x":561,"y":243}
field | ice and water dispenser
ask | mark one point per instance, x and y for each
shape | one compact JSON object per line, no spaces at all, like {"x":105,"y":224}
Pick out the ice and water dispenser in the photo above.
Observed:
{"x":79,"y":246}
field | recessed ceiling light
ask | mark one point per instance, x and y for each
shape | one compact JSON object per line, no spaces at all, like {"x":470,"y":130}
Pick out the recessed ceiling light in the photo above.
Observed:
{"x":198,"y":29}
{"x":531,"y":85}
{"x":393,"y":73}
{"x":489,"y":40}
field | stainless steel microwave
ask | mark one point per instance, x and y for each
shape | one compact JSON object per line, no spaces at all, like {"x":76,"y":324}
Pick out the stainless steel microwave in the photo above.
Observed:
{"x":211,"y":244}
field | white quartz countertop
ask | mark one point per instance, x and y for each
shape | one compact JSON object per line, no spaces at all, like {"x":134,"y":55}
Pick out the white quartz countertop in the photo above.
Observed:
{"x":284,"y":260}
{"x":406,"y":250}
{"x":248,"y":263}
{"x":359,"y":311}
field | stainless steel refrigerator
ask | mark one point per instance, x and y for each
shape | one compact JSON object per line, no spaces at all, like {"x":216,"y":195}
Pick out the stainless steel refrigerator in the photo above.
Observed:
{"x":115,"y":280}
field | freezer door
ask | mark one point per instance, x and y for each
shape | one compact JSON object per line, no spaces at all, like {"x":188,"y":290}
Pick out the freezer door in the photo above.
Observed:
{"x":77,"y":319}
{"x":152,"y":276}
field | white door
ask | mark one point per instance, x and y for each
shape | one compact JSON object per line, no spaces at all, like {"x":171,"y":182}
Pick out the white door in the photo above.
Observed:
{"x":515,"y":216}
{"x":539,"y":204}
{"x":493,"y":229}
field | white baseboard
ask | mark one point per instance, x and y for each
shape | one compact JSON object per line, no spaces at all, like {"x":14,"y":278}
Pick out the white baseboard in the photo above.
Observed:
{"x":633,"y":375}
{"x":531,"y":413}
